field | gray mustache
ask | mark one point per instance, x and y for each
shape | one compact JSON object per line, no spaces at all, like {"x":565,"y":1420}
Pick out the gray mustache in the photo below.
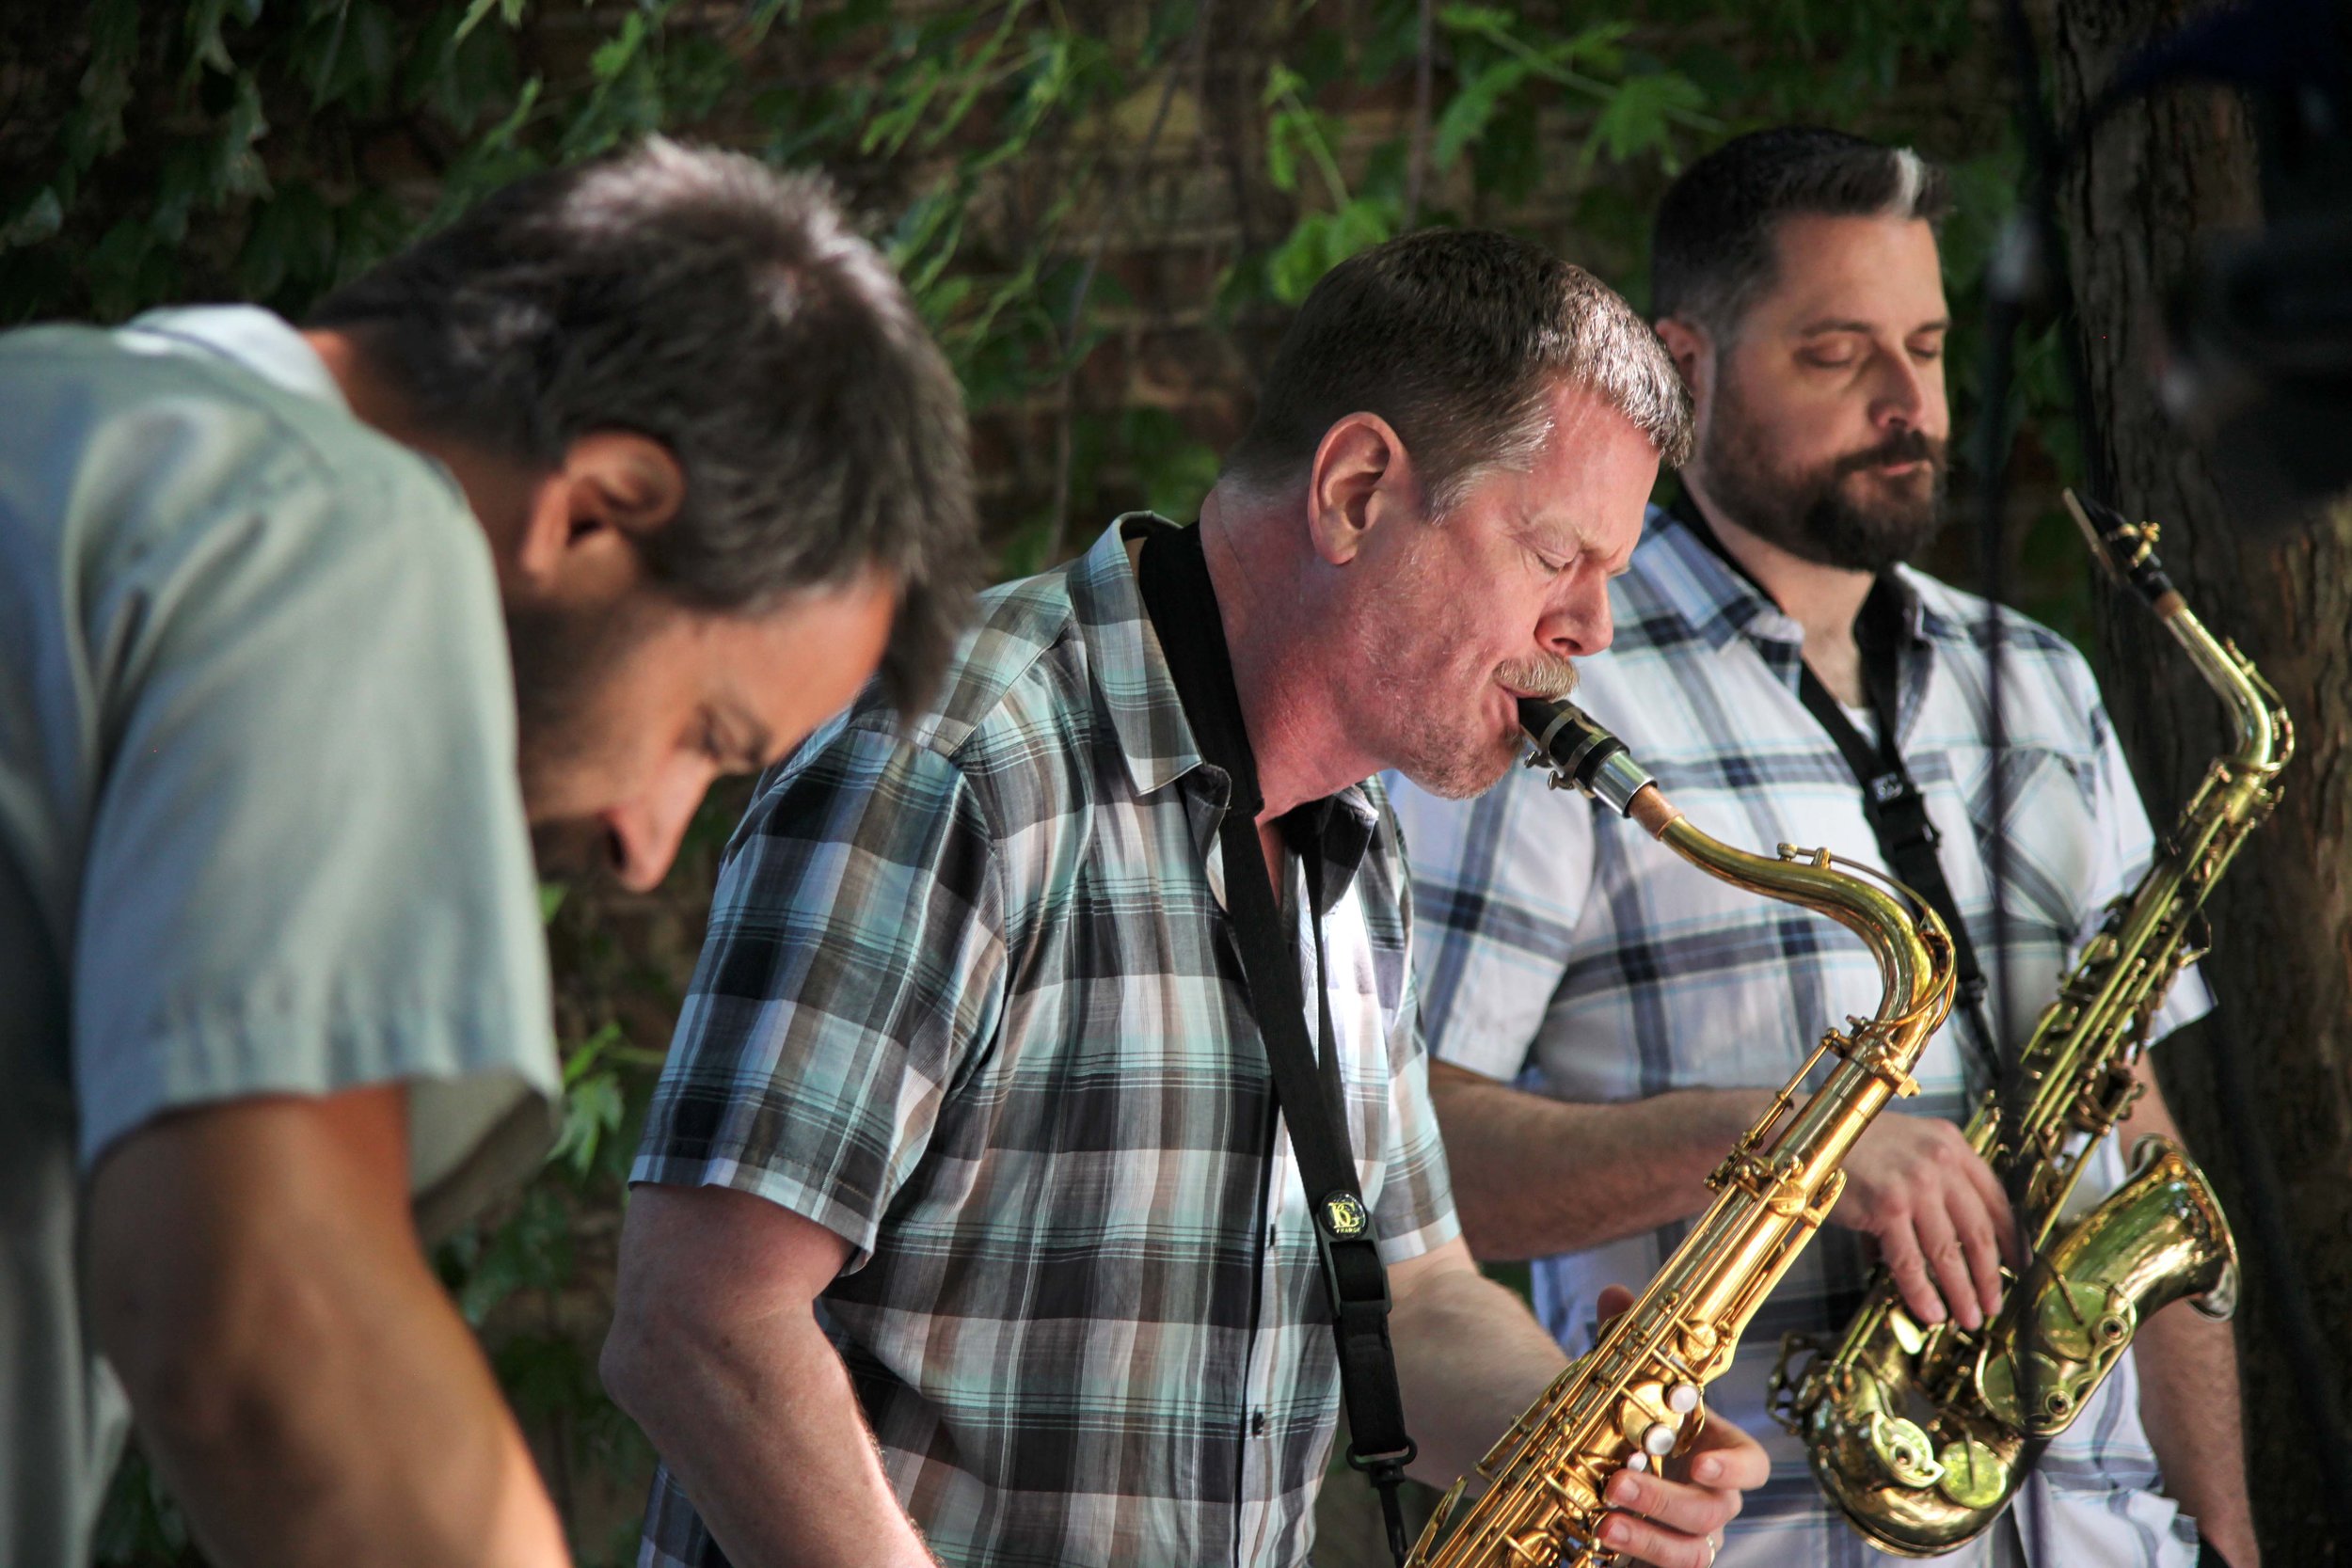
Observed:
{"x":1547,"y":677}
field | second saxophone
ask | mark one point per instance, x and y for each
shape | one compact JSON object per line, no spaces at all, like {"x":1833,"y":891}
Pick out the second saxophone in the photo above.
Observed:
{"x":1639,"y":1395}
{"x":1922,"y":1436}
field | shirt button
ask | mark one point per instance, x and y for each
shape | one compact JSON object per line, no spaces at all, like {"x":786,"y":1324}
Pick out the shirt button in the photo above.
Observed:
{"x":1257,"y":1423}
{"x":1272,"y":1235}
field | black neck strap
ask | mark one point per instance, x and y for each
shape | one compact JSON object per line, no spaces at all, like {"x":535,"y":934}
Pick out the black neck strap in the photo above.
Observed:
{"x":1891,"y":802}
{"x":1173,"y":575}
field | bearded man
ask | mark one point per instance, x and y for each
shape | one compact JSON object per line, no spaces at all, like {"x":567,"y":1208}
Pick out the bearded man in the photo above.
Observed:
{"x":627,"y":476}
{"x":1605,"y":1021}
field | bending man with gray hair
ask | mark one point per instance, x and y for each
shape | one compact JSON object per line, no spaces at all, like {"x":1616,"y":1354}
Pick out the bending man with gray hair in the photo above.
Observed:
{"x":966,"y":1208}
{"x":1652,"y":1010}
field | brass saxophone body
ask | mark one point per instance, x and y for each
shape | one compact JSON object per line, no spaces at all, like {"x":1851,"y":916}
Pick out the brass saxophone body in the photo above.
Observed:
{"x":1922,"y":1436}
{"x":1639,"y":1395}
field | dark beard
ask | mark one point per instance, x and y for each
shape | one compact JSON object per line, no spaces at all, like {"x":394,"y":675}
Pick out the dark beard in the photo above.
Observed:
{"x":562,"y":658}
{"x":1810,"y":514}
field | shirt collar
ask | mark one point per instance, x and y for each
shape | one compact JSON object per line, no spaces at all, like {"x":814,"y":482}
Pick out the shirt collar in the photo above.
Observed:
{"x":1132,"y":682}
{"x":1129,"y":671}
{"x":255,"y":340}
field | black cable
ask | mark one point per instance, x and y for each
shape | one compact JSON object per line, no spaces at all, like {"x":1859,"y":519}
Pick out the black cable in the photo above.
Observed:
{"x":2012,"y":279}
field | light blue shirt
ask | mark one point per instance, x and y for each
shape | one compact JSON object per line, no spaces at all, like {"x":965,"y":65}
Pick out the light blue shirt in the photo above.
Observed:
{"x":259,"y":826}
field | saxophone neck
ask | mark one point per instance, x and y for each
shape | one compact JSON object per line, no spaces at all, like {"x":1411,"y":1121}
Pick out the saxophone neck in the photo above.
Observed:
{"x":2127,"y":551}
{"x":1913,"y":949}
{"x":2265,"y":737}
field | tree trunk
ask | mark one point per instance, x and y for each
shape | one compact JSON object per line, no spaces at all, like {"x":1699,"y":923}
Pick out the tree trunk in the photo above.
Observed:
{"x":2160,"y":175}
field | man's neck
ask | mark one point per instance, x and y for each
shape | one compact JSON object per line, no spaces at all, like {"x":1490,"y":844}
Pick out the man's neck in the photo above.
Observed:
{"x":1292,"y":716}
{"x":498,"y":493}
{"x":1824,"y":601}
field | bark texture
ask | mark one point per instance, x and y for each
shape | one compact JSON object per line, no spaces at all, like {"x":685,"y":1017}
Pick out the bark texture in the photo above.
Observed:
{"x":2158,"y":177}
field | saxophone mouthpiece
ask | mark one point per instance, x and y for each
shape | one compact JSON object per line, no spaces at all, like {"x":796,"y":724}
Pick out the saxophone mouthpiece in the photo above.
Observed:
{"x":1583,"y":754}
{"x":2127,"y":550}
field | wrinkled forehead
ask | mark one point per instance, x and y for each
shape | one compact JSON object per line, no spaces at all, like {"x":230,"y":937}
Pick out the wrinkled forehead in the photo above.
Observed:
{"x":1585,"y":490}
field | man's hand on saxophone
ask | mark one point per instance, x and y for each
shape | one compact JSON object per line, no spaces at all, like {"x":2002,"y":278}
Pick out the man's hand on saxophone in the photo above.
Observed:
{"x":1938,"y":1214}
{"x":1664,"y":1520}
{"x":1470,"y":1359}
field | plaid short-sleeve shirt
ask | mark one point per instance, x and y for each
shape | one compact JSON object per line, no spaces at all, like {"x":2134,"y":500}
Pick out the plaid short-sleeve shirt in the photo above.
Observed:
{"x":969,"y":1000}
{"x":1564,"y":948}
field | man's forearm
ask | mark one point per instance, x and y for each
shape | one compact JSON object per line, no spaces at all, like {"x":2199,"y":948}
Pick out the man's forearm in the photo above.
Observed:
{"x":2188,"y":1393}
{"x":1535,"y":1176}
{"x":2188,"y":1401}
{"x":388,"y":1447}
{"x":764,"y":1433}
{"x":1468,"y":1360}
{"x":298,"y":1376}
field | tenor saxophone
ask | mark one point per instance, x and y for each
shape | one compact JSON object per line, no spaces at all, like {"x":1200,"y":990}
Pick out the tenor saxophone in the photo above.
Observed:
{"x":1639,"y":1395}
{"x":1922,"y":1436}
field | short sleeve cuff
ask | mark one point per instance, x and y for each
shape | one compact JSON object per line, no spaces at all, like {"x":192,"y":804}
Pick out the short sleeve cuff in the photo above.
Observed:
{"x":2189,"y":1000}
{"x":787,"y":1186}
{"x":1492,"y":1048}
{"x":1442,"y":1228}
{"x":480,"y":1085}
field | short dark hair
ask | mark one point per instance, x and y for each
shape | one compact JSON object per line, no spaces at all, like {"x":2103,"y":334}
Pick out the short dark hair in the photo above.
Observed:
{"x":1455,"y":337}
{"x":731,"y":312}
{"x":1712,"y":251}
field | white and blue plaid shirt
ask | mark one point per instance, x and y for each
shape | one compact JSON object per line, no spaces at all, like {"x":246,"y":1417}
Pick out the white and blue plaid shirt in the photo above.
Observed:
{"x":970,"y":1001}
{"x":1562,"y":949}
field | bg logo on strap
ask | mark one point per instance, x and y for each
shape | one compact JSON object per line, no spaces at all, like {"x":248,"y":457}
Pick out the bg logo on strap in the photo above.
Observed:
{"x":1343,"y":1215}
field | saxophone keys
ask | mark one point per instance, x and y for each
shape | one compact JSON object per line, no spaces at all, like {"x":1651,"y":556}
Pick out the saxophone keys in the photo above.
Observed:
{"x":1682,"y":1398}
{"x":1974,"y":1476}
{"x":1904,"y":1451}
{"x":1536,"y":1549}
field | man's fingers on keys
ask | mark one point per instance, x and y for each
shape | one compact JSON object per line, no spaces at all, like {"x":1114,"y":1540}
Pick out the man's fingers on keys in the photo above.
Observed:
{"x":1645,"y":1542}
{"x":1681,"y":1506}
{"x":1726,"y":1458}
{"x":1978,"y":1238}
{"x":1947,"y":1261}
{"x":1899,"y":1250}
{"x":1996,"y":1209}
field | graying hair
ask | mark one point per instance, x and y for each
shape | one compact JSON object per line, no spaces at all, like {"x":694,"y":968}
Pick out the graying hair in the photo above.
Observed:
{"x":1456,"y":336}
{"x":1711,"y":250}
{"x":1602,"y":344}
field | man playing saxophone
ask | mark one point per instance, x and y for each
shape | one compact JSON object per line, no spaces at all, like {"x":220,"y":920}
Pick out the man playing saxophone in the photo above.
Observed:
{"x":968,"y":1227}
{"x":1769,"y":639}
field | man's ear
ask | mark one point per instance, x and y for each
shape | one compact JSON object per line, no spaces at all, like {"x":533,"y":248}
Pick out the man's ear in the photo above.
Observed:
{"x":1361,"y":474}
{"x":586,"y":521}
{"x":1692,"y":351}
